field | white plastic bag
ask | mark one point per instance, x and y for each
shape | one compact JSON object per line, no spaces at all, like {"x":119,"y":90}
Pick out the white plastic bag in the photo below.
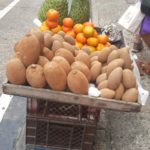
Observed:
{"x":143,"y":94}
{"x":132,"y":18}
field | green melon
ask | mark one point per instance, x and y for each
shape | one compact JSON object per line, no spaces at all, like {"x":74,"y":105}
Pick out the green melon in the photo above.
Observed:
{"x":60,"y":5}
{"x":80,"y":11}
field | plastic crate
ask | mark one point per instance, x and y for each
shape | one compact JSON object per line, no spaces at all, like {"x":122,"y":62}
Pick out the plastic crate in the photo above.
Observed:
{"x":52,"y":134}
{"x":61,"y":111}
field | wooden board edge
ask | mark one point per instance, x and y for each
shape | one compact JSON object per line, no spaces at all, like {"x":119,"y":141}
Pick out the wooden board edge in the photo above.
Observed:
{"x":66,"y":97}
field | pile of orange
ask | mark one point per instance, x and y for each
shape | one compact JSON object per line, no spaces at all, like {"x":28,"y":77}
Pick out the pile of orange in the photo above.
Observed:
{"x":85,"y":34}
{"x":51,"y":23}
{"x":67,"y":26}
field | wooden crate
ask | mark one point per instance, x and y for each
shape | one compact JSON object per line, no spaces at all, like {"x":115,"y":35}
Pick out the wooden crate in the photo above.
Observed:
{"x":53,"y":134}
{"x":62,"y":111}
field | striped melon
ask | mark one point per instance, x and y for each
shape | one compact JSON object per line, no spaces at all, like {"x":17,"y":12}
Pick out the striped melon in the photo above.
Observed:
{"x":60,"y":5}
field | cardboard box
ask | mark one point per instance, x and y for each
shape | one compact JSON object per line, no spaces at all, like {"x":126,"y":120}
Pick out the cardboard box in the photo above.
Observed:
{"x":132,"y":18}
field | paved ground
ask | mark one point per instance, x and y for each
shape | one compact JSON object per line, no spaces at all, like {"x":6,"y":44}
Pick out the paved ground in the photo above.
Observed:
{"x":124,"y":131}
{"x":116,"y":130}
{"x":12,"y":26}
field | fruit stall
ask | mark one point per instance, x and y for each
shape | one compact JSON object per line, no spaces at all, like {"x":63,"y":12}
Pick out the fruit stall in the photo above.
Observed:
{"x":69,"y":69}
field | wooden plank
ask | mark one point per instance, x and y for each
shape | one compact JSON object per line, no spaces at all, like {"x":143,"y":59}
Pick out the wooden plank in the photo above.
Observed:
{"x":67,"y":97}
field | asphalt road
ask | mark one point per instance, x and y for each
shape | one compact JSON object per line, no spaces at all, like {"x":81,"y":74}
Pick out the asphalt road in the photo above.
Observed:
{"x":127,"y":131}
{"x":13,"y":25}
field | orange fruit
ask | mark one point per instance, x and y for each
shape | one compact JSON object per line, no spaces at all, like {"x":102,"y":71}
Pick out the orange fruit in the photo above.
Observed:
{"x":43,"y":28}
{"x":91,"y":48}
{"x":88,"y":31}
{"x":51,"y":24}
{"x":108,"y":44}
{"x":52,"y":14}
{"x":66,"y":29}
{"x":95,"y":34}
{"x":100,"y":46}
{"x":81,"y":38}
{"x":78,"y":44}
{"x":103,"y":38}
{"x":68,"y":22}
{"x":72,"y":33}
{"x":78,"y":28}
{"x":57,"y":29}
{"x":88,"y":24}
{"x":44,"y":23}
{"x":92,"y":41}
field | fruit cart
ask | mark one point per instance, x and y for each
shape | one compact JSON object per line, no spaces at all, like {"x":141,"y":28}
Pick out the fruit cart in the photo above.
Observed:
{"x":64,"y":120}
{"x":79,"y":99}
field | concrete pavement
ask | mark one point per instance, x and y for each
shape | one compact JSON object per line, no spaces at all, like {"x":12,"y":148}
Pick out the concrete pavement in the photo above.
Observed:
{"x":116,"y":130}
{"x":12,"y":26}
{"x":12,"y":123}
{"x":127,"y":131}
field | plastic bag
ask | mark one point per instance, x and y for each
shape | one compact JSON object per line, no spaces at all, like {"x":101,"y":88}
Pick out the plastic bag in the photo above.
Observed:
{"x":132,"y":18}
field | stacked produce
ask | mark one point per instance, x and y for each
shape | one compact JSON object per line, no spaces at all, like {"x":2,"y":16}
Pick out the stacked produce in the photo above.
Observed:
{"x":52,"y":19}
{"x":67,"y":26}
{"x":48,"y":60}
{"x":79,"y":12}
{"x":85,"y":34}
{"x":69,"y":57}
{"x":117,"y":79}
{"x":60,"y":5}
